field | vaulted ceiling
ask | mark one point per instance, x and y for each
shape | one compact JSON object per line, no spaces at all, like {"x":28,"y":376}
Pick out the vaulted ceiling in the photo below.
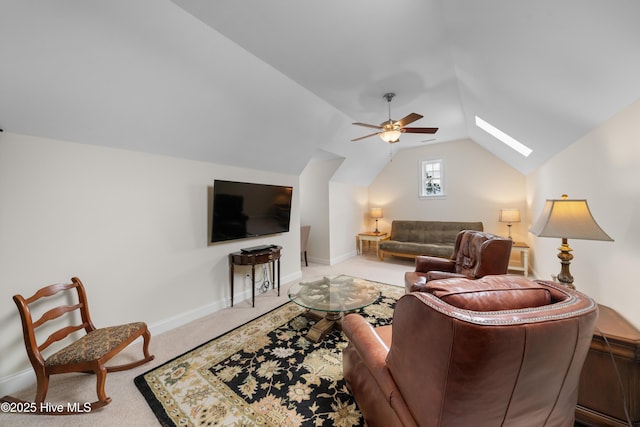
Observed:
{"x":271,"y":84}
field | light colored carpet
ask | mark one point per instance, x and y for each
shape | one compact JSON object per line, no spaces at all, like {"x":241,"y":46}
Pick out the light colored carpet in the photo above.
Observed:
{"x":128,"y":407}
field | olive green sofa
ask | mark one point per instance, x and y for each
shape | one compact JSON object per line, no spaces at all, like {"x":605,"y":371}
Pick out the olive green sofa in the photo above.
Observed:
{"x":435,"y":238}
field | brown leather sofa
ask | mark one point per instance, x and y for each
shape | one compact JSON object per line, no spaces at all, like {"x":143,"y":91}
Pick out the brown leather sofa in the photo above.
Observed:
{"x":476,"y":254}
{"x":498,"y":351}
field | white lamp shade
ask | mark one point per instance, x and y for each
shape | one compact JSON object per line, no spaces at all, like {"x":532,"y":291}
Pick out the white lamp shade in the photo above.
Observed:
{"x":510,"y":215}
{"x":376,"y":212}
{"x":569,"y":219}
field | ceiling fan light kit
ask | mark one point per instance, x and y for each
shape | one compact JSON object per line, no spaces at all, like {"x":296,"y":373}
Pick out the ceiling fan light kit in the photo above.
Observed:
{"x":391,"y":130}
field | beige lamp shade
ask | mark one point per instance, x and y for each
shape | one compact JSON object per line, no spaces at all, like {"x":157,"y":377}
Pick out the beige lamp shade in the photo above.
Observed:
{"x":510,"y":215}
{"x":569,"y":219}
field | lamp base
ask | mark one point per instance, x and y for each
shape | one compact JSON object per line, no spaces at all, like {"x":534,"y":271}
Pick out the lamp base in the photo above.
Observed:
{"x":565,"y":257}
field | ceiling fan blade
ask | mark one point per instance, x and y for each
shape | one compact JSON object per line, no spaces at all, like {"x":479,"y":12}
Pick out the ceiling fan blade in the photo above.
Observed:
{"x":367,"y":125}
{"x":420,"y":130}
{"x":409,"y":119}
{"x":366,"y":136}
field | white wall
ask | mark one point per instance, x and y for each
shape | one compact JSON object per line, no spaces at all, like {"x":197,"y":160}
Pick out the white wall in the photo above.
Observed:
{"x":478,"y":185}
{"x":335,"y":211}
{"x":314,"y":202}
{"x":604,"y":168}
{"x":132,"y":226}
{"x":348,"y":206}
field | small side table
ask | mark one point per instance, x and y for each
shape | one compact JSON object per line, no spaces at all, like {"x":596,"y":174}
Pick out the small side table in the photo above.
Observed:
{"x":267,"y":256}
{"x":601,"y":401}
{"x":523,"y":264}
{"x":370,"y":236}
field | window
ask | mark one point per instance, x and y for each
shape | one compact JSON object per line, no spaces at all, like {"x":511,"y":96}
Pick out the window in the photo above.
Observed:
{"x":431,"y":178}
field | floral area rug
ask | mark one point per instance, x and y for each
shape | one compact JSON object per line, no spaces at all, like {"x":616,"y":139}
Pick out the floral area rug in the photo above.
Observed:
{"x":264,"y":373}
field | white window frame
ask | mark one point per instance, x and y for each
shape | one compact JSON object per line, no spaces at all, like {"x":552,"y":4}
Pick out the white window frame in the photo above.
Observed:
{"x":439,"y":181}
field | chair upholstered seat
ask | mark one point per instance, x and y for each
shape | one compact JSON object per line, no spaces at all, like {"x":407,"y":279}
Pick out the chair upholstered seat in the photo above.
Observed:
{"x":96,"y":344}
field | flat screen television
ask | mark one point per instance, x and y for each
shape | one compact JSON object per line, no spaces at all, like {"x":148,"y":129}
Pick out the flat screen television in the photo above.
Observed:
{"x":243,"y":209}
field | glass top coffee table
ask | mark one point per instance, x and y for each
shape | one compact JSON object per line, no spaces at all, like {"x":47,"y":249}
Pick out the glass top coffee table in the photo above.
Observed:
{"x":329,"y":298}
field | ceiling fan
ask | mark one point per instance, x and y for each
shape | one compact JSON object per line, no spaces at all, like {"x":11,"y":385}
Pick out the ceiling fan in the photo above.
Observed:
{"x":390,"y":130}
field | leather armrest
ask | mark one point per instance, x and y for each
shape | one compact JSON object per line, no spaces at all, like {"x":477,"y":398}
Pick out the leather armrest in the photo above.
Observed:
{"x":367,"y":342}
{"x":428,"y":263}
{"x":417,"y":282}
{"x":373,"y":352}
{"x":437,"y":275}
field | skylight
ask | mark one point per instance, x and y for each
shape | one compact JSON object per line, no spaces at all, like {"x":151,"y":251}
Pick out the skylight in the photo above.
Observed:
{"x":510,"y":141}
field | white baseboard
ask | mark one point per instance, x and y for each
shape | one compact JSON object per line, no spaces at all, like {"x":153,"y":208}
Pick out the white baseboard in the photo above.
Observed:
{"x":333,"y":261}
{"x":322,"y":261}
{"x":21,"y":380}
{"x":18,"y":381}
{"x":343,"y":257}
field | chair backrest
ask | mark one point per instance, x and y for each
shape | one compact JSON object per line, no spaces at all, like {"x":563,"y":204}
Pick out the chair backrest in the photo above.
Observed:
{"x":304,"y":237}
{"x":479,"y":254}
{"x":57,"y":293}
{"x":517,"y":364}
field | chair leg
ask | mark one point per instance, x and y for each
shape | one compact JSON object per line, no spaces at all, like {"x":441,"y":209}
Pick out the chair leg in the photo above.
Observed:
{"x":101,"y":379}
{"x":146,"y":336}
{"x":42,"y":379}
{"x":305,"y":259}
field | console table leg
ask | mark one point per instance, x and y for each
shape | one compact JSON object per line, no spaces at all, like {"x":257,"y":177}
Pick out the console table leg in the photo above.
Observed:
{"x":231,"y":279}
{"x":253,"y":285}
{"x":273,"y":274}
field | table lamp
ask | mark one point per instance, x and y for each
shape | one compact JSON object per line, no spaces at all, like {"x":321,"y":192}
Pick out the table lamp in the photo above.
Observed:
{"x":568,"y":219}
{"x":510,"y":216}
{"x":376,"y":213}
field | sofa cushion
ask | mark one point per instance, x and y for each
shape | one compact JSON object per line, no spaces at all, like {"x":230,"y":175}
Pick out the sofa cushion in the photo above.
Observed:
{"x":490,"y":293}
{"x":436,"y":232}
{"x":441,"y":250}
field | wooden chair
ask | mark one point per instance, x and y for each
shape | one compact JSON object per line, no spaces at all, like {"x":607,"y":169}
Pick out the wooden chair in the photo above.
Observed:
{"x":87,"y":354}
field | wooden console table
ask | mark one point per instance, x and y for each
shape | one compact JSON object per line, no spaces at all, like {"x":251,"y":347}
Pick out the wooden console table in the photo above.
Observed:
{"x":600,"y":400}
{"x":266,"y":256}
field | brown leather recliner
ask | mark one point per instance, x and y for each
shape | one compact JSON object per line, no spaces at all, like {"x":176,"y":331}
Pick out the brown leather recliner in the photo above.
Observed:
{"x":475,"y":255}
{"x":498,"y":351}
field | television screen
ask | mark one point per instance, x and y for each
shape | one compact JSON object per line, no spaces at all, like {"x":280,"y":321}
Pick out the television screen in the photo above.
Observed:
{"x":242,"y":209}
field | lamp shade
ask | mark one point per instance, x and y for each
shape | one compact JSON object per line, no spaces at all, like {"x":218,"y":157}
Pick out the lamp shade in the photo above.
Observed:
{"x":569,"y":219}
{"x":510,"y":215}
{"x":376,"y":213}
